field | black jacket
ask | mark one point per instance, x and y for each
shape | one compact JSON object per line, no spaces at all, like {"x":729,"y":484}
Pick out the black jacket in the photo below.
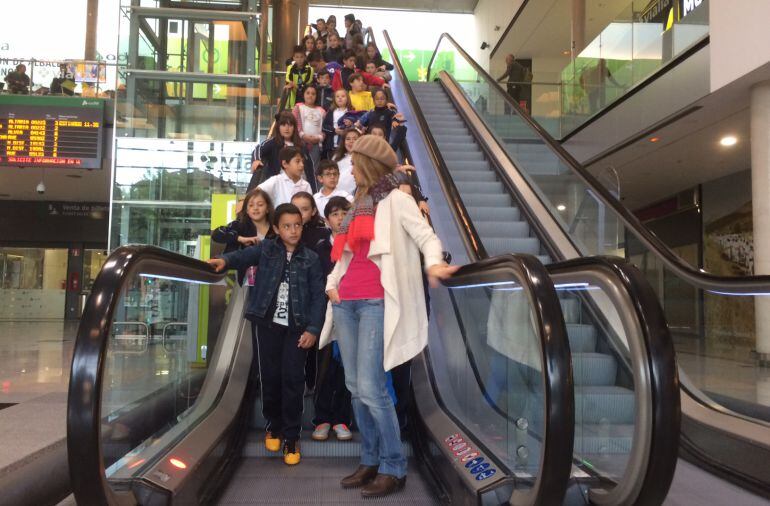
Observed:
{"x":317,"y":237}
{"x":325,"y":97}
{"x":332,"y":54}
{"x":381,"y":63}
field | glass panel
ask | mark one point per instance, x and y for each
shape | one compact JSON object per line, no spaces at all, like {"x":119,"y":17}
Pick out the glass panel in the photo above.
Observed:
{"x":32,"y":283}
{"x":605,"y":403}
{"x":93,"y":259}
{"x":490,"y":372}
{"x":162,"y":332}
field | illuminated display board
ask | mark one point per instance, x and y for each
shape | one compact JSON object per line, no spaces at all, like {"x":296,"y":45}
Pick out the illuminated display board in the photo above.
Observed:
{"x":51,"y":131}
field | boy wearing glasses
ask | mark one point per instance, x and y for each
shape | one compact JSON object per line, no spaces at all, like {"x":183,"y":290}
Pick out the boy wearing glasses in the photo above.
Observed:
{"x":328,"y":175}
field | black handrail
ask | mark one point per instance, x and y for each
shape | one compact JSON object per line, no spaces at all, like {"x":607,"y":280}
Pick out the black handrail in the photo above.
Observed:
{"x":699,"y":278}
{"x":558,"y":438}
{"x":84,"y":452}
{"x":661,"y":366}
{"x":471,"y":237}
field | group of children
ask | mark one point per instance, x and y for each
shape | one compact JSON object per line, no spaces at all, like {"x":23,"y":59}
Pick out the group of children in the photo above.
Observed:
{"x":301,"y":190}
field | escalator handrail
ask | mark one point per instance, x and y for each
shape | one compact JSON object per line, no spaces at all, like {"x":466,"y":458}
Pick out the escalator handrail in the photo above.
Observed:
{"x":662,"y":371}
{"x":700,"y":278}
{"x":457,"y":207}
{"x":84,"y":418}
{"x":559,"y":420}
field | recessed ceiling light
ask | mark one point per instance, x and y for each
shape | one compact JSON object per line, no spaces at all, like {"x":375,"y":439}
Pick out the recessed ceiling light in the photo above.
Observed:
{"x":566,"y":53}
{"x":654,"y":139}
{"x":728,"y":140}
{"x":561,"y":207}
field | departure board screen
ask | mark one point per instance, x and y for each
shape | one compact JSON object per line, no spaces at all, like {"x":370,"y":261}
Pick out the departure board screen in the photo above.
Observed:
{"x":51,"y":131}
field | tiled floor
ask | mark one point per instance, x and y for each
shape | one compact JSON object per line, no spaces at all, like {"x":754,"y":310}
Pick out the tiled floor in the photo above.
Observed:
{"x":35,"y":358}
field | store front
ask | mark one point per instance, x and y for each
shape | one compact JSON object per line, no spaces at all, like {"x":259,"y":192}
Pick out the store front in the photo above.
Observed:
{"x":48,"y":268}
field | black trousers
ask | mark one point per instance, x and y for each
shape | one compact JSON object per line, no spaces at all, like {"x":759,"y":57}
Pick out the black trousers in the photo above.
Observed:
{"x":282,"y":374}
{"x":402,"y":380}
{"x":332,"y":401}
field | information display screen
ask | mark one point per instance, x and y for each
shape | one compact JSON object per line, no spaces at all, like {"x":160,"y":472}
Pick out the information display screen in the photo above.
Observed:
{"x":51,"y":131}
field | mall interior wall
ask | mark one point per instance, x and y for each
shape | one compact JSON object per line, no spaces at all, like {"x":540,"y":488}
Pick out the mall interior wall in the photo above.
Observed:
{"x":492,"y":17}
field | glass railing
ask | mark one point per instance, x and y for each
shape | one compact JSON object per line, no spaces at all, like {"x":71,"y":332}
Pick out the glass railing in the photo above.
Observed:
{"x":717,"y":320}
{"x":642,"y":39}
{"x":158,"y":324}
{"x":501,"y":365}
{"x":82,"y":78}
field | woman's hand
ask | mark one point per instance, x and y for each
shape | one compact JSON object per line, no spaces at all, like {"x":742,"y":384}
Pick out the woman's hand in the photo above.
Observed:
{"x":440,"y":271}
{"x":334,"y":296}
{"x":217,"y":263}
{"x":424,"y":207}
{"x":248,"y":241}
{"x":306,"y":340}
{"x":255,"y":165}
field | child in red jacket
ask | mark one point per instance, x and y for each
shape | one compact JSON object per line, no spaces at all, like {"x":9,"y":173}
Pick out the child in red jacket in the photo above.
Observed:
{"x":349,"y":68}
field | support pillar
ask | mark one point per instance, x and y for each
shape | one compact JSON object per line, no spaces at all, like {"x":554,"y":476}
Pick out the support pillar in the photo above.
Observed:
{"x":304,"y":6}
{"x":578,"y":27}
{"x":285,"y":31}
{"x":92,"y":15}
{"x":760,"y":194}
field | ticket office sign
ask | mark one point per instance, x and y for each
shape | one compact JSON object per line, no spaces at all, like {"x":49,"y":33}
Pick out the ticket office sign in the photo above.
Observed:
{"x":51,"y":131}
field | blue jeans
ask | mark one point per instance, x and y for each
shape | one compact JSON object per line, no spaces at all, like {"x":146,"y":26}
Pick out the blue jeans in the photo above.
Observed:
{"x":360,"y":328}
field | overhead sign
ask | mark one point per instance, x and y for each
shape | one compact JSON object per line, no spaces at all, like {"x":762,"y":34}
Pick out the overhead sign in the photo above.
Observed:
{"x":51,"y":131}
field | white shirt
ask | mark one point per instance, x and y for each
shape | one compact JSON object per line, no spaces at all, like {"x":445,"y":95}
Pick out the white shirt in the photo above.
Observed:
{"x":346,"y":182}
{"x":281,"y":316}
{"x":336,"y":115}
{"x":312,"y":119}
{"x":321,"y":200}
{"x":281,"y":188}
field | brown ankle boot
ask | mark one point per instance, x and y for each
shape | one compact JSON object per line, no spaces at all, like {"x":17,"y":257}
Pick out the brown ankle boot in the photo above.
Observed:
{"x":362,"y":476}
{"x":383,"y":484}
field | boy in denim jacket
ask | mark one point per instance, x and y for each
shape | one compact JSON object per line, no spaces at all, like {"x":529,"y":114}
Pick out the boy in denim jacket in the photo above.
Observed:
{"x":288,"y":305}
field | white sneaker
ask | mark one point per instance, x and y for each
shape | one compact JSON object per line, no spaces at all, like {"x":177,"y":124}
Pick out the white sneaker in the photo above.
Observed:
{"x":342,"y":432}
{"x":321,"y":432}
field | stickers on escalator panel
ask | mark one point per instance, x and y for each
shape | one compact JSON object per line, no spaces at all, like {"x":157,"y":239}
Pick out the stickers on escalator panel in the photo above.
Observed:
{"x":469,"y":457}
{"x":483,"y":475}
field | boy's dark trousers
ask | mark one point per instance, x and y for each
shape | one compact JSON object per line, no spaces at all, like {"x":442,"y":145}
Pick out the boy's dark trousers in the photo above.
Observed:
{"x":332,"y":401}
{"x":282,"y":372}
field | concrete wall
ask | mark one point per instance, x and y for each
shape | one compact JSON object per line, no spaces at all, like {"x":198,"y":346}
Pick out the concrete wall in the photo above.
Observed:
{"x":740,"y":38}
{"x":490,"y":14}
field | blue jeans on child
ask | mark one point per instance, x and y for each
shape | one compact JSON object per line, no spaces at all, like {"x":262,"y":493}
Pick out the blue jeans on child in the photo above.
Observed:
{"x":360,"y":328}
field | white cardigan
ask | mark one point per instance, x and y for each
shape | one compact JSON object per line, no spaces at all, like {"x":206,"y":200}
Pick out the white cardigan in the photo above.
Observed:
{"x":400,"y":234}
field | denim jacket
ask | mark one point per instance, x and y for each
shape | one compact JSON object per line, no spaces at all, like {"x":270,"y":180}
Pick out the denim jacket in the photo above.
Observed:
{"x":307,"y":300}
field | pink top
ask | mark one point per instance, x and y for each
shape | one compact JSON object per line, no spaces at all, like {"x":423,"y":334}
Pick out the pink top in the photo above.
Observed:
{"x":362,"y":279}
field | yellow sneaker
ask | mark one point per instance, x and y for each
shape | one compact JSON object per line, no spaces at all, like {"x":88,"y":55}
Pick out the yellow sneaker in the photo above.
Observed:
{"x":291,"y":453}
{"x":272,"y":443}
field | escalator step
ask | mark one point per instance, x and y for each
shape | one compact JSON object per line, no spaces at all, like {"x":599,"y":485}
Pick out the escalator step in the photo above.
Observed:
{"x":442,"y":139}
{"x":450,"y":130}
{"x":594,"y":369}
{"x":462,"y":147}
{"x":472,"y":187}
{"x":500,"y":200}
{"x":462,"y":176}
{"x":469,"y":165}
{"x":570,"y":307}
{"x":582,"y":337}
{"x":462,"y":156}
{"x":482,"y":212}
{"x":498,"y":246}
{"x":502,"y":229}
{"x":604,"y":404}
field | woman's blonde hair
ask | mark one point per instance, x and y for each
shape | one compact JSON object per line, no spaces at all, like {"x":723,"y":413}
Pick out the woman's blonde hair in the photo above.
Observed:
{"x":371,"y":171}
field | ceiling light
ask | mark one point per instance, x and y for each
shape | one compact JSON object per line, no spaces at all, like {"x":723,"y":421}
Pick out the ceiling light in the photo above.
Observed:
{"x":566,"y":53}
{"x":561,"y":207}
{"x":728,"y":140}
{"x":654,"y":139}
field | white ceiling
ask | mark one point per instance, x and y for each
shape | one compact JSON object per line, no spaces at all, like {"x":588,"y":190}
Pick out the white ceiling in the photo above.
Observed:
{"x":543,"y":28}
{"x":688,"y":152}
{"x":72,"y":185}
{"x":457,"y":6}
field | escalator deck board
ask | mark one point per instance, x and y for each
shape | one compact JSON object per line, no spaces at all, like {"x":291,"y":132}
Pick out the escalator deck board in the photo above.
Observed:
{"x":313,"y":481}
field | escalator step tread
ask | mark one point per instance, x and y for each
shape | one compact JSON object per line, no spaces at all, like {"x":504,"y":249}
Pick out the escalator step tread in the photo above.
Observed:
{"x":590,"y":368}
{"x":331,"y":448}
{"x":604,"y":404}
{"x":313,"y":481}
{"x":582,"y":337}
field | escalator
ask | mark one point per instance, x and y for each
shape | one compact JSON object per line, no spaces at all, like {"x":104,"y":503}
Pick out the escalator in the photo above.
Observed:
{"x":520,"y":192}
{"x":539,"y":385}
